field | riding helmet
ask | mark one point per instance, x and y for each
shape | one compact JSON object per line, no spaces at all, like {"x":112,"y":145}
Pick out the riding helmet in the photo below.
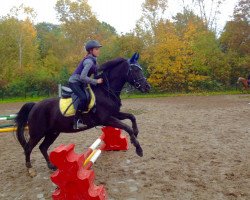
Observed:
{"x":92,"y":44}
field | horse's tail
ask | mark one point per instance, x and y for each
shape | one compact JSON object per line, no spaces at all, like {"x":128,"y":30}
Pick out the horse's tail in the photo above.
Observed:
{"x":21,"y":121}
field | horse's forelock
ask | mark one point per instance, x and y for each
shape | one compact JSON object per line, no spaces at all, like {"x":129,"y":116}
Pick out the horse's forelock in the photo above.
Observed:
{"x":111,"y":64}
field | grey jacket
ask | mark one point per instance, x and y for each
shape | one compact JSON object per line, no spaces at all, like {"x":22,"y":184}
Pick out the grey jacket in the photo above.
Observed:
{"x":83,"y":77}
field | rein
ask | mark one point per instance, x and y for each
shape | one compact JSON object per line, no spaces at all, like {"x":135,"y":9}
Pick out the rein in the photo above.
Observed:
{"x":136,"y":82}
{"x":109,"y":90}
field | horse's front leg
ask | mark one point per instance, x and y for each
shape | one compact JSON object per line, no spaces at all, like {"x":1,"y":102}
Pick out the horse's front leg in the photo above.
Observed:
{"x":116,"y":123}
{"x":122,"y":116}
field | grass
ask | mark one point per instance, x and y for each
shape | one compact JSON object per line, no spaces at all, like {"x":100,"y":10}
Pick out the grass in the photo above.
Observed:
{"x":157,"y":95}
{"x":136,"y":95}
{"x":22,"y":99}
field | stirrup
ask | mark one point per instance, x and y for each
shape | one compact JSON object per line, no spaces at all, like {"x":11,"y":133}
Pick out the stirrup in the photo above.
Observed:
{"x":79,"y":125}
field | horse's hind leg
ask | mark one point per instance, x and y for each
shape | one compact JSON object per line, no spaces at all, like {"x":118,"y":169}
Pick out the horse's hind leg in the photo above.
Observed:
{"x":28,"y":149}
{"x":50,"y":137}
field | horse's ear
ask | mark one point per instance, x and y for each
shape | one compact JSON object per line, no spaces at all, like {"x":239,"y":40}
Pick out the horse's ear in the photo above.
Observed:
{"x":137,"y":56}
{"x":133,"y":58}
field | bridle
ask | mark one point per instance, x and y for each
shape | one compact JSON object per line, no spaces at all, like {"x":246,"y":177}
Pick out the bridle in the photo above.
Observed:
{"x":129,"y":73}
{"x":135,"y":82}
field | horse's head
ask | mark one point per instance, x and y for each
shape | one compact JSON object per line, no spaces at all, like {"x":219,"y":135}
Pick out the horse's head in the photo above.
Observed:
{"x":119,"y":71}
{"x":135,"y":74}
{"x":239,"y":80}
{"x":243,"y":81}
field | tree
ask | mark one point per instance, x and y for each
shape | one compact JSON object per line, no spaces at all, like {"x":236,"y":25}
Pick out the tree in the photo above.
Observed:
{"x":235,"y":37}
{"x":208,"y":11}
{"x":78,"y":22}
{"x":152,"y":12}
{"x":18,"y":47}
{"x":235,"y":40}
{"x":53,"y":47}
{"x":80,"y":25}
{"x":185,"y":56}
{"x":25,"y":25}
{"x":165,"y":61}
{"x":182,"y":20}
{"x":242,"y":11}
{"x":48,"y":36}
{"x":209,"y":60}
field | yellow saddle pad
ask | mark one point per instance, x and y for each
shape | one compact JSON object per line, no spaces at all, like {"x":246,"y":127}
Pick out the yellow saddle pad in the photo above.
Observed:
{"x":65,"y":102}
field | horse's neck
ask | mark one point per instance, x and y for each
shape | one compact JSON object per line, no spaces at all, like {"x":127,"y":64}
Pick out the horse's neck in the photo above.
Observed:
{"x":244,"y":82}
{"x":116,"y":86}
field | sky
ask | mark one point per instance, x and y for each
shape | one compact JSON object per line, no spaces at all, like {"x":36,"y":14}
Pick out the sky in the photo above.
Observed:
{"x":121,"y":14}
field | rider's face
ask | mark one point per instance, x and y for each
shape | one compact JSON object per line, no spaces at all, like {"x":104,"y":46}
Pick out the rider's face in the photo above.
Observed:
{"x":96,"y":52}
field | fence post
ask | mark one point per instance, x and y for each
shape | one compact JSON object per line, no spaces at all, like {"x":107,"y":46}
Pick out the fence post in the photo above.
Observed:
{"x":60,"y":90}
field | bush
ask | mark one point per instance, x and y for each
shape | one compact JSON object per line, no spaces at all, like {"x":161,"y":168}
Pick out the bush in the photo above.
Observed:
{"x":207,"y":85}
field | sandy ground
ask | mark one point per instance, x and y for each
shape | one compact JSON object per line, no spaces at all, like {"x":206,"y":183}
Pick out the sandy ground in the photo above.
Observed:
{"x":195,"y":147}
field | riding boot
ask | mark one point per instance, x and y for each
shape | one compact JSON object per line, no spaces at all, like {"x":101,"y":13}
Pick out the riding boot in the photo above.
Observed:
{"x":78,"y":124}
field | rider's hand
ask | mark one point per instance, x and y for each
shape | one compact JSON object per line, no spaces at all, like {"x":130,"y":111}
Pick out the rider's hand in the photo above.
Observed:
{"x":99,"y":80}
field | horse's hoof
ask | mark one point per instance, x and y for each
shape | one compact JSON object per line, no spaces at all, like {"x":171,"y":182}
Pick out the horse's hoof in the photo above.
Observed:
{"x":32,"y":172}
{"x":28,"y":165}
{"x":136,"y":132}
{"x":52,"y":167}
{"x":139,"y":151}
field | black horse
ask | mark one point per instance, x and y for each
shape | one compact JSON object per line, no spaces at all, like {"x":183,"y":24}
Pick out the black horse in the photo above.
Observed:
{"x":45,"y":119}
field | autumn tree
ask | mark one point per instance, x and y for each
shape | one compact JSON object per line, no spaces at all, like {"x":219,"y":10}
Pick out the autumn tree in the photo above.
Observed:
{"x":207,"y":10}
{"x":77,"y":20}
{"x":80,"y":25}
{"x":182,"y":19}
{"x":185,"y":56}
{"x":242,"y":11}
{"x":236,"y":32}
{"x":152,"y":12}
{"x":235,"y":40}
{"x":25,"y":31}
{"x":164,"y":59}
{"x":18,"y":47}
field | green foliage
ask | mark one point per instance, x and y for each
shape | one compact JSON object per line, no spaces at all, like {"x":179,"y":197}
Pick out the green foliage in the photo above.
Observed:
{"x":178,"y":55}
{"x":48,"y":36}
{"x":236,"y":37}
{"x":207,"y":85}
{"x":235,"y":41}
{"x":63,"y":76}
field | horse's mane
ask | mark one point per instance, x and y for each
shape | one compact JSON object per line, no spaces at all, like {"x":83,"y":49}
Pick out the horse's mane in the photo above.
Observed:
{"x":111,"y":64}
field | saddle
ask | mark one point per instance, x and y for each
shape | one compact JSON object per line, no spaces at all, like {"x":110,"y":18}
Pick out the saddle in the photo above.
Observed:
{"x":69,"y":101}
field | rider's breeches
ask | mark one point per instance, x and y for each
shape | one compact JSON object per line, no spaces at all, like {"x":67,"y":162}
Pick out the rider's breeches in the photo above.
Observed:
{"x":78,"y":89}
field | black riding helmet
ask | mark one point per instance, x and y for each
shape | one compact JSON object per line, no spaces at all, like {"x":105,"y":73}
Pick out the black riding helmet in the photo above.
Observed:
{"x":92,"y":44}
